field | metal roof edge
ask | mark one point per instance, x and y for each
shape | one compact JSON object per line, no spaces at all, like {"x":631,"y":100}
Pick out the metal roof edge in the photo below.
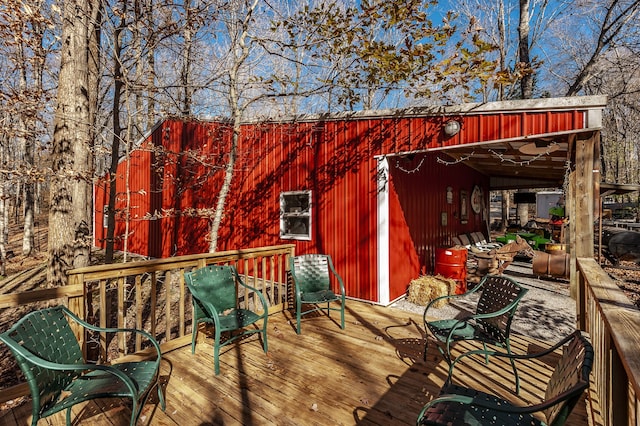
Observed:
{"x":542,"y":104}
{"x":592,"y":102}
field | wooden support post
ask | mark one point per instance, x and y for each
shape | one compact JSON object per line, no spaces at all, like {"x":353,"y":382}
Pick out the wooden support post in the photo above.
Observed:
{"x":583,"y":200}
{"x":597,"y":200}
{"x":570,"y":206}
{"x":584,"y":197}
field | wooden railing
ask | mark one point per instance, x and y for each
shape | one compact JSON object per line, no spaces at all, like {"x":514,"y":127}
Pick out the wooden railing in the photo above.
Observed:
{"x":151,"y":295}
{"x":613,"y":323}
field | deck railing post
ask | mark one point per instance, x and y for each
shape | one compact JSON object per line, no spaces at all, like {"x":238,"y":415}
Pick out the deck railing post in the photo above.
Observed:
{"x":612,"y":322}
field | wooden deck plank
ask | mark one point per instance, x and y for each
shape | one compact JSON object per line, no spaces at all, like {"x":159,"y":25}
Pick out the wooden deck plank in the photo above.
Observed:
{"x":372,"y":373}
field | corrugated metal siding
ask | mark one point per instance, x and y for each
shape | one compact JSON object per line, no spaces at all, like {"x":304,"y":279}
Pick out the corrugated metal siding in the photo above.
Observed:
{"x":139,"y":204}
{"x":420,"y":183}
{"x":335,"y":160}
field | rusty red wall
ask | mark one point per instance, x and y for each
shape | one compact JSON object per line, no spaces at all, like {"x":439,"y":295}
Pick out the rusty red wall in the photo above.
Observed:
{"x":337,"y":160}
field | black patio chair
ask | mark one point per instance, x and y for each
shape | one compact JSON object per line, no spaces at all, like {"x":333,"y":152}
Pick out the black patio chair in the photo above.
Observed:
{"x":490,"y":324}
{"x":458,"y":405}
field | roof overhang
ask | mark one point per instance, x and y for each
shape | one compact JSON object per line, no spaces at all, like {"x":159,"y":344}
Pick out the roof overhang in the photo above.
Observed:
{"x":529,"y":160}
{"x":538,"y":161}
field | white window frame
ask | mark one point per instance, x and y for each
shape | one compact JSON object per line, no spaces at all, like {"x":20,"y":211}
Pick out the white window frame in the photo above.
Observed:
{"x":296,"y":214}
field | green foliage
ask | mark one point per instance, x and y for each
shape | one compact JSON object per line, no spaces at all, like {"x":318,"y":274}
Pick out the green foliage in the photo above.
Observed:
{"x":383,"y":47}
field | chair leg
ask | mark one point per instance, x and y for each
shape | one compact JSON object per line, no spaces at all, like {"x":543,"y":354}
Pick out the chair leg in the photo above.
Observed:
{"x":426,"y":348}
{"x":264,"y":336}
{"x":342,"y":315}
{"x":216,"y":352}
{"x":513,"y":365}
{"x":163,"y":403}
{"x":134,"y":411}
{"x":446,"y":354}
{"x":298,"y":315}
{"x":194,"y":334}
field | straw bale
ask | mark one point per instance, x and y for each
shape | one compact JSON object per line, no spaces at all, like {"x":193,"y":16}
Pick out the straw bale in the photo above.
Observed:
{"x":426,"y":288}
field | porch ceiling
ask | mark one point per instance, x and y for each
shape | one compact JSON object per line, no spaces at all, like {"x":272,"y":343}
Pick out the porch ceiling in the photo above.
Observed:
{"x":538,"y":161}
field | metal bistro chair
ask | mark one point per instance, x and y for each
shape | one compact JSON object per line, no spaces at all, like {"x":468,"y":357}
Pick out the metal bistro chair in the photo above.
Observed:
{"x":491,"y":323}
{"x":457,"y":405}
{"x":215,"y":301}
{"x":51,"y":360}
{"x":310,"y":273}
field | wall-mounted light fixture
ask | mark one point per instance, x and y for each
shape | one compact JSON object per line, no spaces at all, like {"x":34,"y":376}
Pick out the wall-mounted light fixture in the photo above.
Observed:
{"x":451,"y":128}
{"x":449,"y":195}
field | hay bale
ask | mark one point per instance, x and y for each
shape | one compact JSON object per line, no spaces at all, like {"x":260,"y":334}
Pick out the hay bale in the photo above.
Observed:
{"x":426,"y":288}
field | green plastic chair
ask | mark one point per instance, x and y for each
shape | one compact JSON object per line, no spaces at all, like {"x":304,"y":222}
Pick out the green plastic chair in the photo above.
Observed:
{"x":491,"y":323}
{"x":215,"y":301}
{"x":459,"y":405}
{"x":310,"y":273}
{"x":49,"y":355}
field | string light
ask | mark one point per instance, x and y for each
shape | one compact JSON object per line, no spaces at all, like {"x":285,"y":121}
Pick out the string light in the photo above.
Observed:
{"x":526,"y":162}
{"x":459,"y":160}
{"x":501,"y":156}
{"x":567,"y":173}
{"x":416,"y":169}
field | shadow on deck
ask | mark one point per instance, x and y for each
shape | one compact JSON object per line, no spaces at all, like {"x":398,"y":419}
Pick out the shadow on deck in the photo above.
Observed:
{"x":372,"y":373}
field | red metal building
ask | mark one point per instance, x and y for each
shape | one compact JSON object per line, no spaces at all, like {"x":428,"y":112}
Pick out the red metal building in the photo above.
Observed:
{"x":378,"y":191}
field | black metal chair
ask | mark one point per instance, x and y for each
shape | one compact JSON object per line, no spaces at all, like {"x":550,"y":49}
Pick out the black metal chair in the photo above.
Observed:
{"x":491,"y":323}
{"x":458,"y":405}
{"x":51,"y":360}
{"x":310,"y":273}
{"x":215,"y":301}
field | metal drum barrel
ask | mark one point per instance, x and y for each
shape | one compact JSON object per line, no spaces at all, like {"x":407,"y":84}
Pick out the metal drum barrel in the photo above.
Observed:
{"x":556,"y":264}
{"x":452,"y":263}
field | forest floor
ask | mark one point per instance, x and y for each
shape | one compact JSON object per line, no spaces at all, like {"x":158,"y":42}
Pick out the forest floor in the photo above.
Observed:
{"x":17,"y":262}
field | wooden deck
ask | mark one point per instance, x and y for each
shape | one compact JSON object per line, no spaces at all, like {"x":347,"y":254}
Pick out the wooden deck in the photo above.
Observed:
{"x":372,"y":373}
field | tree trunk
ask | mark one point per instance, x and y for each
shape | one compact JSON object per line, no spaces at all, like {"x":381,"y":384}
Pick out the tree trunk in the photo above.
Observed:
{"x":4,"y":211}
{"x":505,"y":210}
{"x":241,"y":52}
{"x":115,"y":142}
{"x":502,"y":48}
{"x":72,"y":161}
{"x":526,"y":83}
{"x":37,"y":30}
{"x":187,"y":34}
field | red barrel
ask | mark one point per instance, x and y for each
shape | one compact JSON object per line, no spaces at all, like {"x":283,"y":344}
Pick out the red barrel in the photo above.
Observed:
{"x":452,"y":263}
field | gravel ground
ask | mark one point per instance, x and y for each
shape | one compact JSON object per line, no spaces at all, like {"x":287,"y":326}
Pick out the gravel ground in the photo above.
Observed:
{"x":546,"y":312}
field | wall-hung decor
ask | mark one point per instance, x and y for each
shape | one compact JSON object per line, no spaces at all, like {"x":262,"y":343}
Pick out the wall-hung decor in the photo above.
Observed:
{"x":443,"y":219}
{"x":476,"y":199}
{"x":449,"y":195}
{"x":464,"y":207}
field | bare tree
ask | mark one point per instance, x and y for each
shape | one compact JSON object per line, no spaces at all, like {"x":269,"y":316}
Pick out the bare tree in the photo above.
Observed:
{"x":25,"y":25}
{"x":118,"y":85}
{"x":238,"y":24}
{"x":611,"y":25}
{"x":72,"y":160}
{"x":526,"y":83}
